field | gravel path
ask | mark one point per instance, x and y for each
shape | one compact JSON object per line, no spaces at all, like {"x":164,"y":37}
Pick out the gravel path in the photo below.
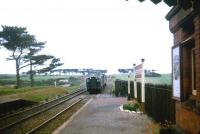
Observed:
{"x":103,"y":116}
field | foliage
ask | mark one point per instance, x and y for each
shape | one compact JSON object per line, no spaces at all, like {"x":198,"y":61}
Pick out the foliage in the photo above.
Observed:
{"x":131,"y":107}
{"x":125,"y":70}
{"x":9,"y":80}
{"x":55,"y":62}
{"x":31,"y":59}
{"x":73,"y":79}
{"x":16,"y":40}
{"x":24,"y":51}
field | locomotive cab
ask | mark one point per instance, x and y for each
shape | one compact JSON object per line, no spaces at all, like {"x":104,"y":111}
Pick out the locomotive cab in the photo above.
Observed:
{"x":95,"y":84}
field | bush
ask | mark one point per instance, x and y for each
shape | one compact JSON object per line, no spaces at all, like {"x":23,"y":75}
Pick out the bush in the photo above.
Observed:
{"x":131,"y":107}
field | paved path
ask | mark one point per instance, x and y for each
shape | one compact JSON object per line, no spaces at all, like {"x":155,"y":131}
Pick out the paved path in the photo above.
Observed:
{"x":103,"y":116}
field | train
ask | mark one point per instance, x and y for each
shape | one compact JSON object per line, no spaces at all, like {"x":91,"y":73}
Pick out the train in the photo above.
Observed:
{"x":96,"y":84}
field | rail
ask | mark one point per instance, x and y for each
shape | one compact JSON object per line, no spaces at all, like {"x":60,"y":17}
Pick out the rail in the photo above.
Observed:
{"x":52,"y":118}
{"x":9,"y":121}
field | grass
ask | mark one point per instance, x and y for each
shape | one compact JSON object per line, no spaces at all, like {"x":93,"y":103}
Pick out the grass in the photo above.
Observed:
{"x":164,"y":79}
{"x":36,"y":94}
{"x":43,"y":94}
{"x":44,"y":87}
{"x":10,"y":90}
{"x":71,"y":88}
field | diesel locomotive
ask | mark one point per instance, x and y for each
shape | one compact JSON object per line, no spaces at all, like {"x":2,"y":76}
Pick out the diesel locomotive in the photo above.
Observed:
{"x":96,"y":84}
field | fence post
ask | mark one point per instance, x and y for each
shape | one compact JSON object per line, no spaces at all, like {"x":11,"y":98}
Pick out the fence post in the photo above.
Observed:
{"x":129,"y":86}
{"x":134,"y":82}
{"x":143,"y":86}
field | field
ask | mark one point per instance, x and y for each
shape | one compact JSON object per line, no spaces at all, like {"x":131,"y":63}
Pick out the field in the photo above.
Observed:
{"x":39,"y":80}
{"x":43,"y":90}
{"x":164,"y":79}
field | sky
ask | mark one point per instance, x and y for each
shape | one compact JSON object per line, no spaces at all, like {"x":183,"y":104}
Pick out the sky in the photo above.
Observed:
{"x":99,"y":34}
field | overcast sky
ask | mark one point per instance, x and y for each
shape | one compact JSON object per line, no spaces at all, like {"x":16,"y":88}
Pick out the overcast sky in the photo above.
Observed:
{"x":100,"y":34}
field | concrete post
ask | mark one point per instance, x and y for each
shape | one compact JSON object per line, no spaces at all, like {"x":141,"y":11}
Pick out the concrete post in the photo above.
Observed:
{"x":129,"y":86}
{"x":143,"y":86}
{"x":134,"y":82}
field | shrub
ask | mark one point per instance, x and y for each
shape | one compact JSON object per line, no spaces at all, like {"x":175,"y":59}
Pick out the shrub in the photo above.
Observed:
{"x":131,"y":107}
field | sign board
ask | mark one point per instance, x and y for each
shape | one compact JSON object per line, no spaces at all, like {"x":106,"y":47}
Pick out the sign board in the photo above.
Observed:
{"x":176,"y":73}
{"x":139,"y":74}
{"x":138,"y":71}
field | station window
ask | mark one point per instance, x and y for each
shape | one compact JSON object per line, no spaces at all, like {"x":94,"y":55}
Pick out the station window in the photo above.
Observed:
{"x":188,"y":60}
{"x":188,"y":70}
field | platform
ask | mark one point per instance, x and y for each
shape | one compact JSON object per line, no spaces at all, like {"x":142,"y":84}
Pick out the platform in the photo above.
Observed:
{"x":103,"y":116}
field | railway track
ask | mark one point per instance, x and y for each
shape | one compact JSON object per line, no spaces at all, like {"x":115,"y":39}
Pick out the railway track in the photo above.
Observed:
{"x":18,"y":121}
{"x":43,"y":125}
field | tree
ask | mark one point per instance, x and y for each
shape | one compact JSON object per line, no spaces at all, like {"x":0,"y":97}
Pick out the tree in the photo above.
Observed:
{"x":16,"y":40}
{"x":36,"y":60}
{"x":125,"y":70}
{"x":25,"y":48}
{"x":32,"y":59}
{"x":55,"y":62}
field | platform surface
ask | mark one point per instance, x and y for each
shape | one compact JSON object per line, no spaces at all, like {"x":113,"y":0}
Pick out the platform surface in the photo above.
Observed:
{"x":103,"y":116}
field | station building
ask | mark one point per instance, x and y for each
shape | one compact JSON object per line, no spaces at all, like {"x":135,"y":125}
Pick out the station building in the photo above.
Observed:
{"x":184,"y":24}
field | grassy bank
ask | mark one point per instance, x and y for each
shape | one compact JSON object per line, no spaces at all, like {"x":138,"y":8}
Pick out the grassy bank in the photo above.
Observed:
{"x":36,"y":94}
{"x":43,"y":90}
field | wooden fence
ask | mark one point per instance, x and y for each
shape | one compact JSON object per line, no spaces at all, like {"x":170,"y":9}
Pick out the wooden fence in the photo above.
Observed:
{"x":158,"y":99}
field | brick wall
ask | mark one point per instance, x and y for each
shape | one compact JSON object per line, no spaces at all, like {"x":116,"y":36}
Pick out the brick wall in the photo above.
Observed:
{"x":186,"y":119}
{"x":184,"y":25}
{"x":179,"y":16}
{"x":186,"y":73}
{"x":197,"y":52}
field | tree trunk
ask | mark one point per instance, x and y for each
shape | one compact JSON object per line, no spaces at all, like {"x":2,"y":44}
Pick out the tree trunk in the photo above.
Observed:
{"x":17,"y":74}
{"x":31,"y":74}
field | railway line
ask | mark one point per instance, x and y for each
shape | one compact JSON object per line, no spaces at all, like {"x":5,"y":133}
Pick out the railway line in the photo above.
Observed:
{"x":35,"y":118}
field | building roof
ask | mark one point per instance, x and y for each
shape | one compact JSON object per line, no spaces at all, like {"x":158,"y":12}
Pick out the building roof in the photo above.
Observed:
{"x":185,"y":4}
